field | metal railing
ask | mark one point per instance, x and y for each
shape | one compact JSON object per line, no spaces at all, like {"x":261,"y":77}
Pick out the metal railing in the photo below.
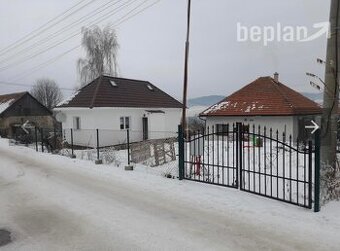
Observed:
{"x":254,"y":160}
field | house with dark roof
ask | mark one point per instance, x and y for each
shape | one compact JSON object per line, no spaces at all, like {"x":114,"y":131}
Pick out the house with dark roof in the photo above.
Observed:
{"x":265,"y":102}
{"x":114,"y":105}
{"x":19,"y":108}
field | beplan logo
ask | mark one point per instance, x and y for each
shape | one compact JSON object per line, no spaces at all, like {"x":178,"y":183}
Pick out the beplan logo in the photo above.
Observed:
{"x":281,"y":33}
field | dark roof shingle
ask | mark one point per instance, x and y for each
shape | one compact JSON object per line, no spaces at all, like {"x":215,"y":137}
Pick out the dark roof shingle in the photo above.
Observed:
{"x":264,"y":97}
{"x":121,"y":93}
{"x":6,"y":100}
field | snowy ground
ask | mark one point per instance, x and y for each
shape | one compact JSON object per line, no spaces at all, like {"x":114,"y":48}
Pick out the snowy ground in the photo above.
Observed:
{"x":51,"y":202}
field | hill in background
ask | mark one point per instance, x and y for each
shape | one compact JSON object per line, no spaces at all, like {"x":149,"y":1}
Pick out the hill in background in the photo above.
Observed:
{"x":213,"y":99}
{"x":205,"y":100}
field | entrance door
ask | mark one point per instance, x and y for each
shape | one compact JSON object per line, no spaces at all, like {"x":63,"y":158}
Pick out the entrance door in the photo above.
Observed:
{"x":145,"y":129}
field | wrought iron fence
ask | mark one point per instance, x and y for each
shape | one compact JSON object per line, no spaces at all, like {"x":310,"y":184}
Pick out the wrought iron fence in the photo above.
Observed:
{"x":254,"y":160}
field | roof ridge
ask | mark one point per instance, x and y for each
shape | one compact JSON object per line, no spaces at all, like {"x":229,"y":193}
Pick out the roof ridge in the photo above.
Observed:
{"x":96,"y":91}
{"x":283,"y":94}
{"x":132,"y":79}
{"x":297,"y":93}
{"x":14,"y":93}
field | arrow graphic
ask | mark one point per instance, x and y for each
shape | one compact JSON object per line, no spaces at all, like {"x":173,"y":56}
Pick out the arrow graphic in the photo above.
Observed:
{"x":315,"y":126}
{"x":23,"y":127}
{"x":324,"y":29}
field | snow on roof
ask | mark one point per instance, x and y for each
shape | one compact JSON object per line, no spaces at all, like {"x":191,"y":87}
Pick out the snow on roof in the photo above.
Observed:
{"x":5,"y":105}
{"x":228,"y":104}
{"x":264,"y":97}
{"x":7,"y":100}
{"x":218,"y":106}
{"x":67,"y":100}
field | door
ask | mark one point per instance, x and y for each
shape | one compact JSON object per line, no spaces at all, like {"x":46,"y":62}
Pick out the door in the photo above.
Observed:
{"x":145,"y":128}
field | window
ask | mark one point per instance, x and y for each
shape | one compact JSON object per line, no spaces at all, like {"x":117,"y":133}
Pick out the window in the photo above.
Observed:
{"x":76,"y":123}
{"x":150,"y":87}
{"x":222,"y":129}
{"x":127,"y":123}
{"x":124,"y":123}
{"x":113,"y":83}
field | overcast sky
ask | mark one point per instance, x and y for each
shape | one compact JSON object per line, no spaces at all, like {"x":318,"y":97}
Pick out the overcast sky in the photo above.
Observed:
{"x":152,"y":43}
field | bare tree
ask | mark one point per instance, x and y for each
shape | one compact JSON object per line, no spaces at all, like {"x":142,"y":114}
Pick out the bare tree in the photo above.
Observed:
{"x":101,"y":53}
{"x":195,"y":124}
{"x":47,"y":92}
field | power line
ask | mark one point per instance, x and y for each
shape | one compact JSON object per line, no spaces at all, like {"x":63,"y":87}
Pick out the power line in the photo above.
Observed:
{"x":61,"y":30}
{"x":42,"y":65}
{"x":32,"y":34}
{"x":138,"y":12}
{"x":15,"y":63}
{"x":52,"y":60}
{"x":24,"y":85}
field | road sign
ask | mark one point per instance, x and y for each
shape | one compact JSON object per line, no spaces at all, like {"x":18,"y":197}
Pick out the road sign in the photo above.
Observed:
{"x":315,"y":126}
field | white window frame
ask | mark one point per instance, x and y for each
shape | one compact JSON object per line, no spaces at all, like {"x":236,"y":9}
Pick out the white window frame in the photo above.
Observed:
{"x":76,"y":123}
{"x":126,"y":120}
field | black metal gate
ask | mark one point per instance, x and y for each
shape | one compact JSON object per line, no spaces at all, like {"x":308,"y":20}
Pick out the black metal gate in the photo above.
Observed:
{"x":254,"y":160}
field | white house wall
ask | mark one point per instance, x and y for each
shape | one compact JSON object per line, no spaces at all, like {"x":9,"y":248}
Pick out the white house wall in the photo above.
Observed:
{"x":107,"y":120}
{"x":164,"y":125}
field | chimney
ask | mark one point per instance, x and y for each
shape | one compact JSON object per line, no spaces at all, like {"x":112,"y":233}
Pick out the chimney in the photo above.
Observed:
{"x":276,"y":77}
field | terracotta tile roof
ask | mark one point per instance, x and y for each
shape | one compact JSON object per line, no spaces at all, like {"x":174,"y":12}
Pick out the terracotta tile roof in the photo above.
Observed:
{"x":6,"y":100}
{"x":264,"y":97}
{"x":120,"y":92}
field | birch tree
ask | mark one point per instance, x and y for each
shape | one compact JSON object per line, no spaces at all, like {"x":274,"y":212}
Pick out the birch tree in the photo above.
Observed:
{"x":101,"y":48}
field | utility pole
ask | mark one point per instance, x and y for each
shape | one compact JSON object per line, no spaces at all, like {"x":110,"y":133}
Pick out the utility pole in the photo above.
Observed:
{"x":185,"y":83}
{"x":331,"y":96}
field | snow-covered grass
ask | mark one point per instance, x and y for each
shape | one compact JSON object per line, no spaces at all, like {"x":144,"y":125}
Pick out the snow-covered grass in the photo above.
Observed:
{"x":273,"y":169}
{"x":195,"y":215}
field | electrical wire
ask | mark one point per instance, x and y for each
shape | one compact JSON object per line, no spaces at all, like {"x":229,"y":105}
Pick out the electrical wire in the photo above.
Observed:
{"x":42,"y":28}
{"x":52,"y":60}
{"x":138,"y":12}
{"x":15,"y":63}
{"x":42,"y":65}
{"x":61,"y":31}
{"x":24,"y":85}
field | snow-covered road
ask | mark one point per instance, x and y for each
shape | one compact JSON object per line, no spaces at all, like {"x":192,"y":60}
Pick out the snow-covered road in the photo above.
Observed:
{"x":54,"y":203}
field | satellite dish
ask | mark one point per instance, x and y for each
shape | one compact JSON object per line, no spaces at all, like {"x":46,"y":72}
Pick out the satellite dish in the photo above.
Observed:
{"x":60,"y":117}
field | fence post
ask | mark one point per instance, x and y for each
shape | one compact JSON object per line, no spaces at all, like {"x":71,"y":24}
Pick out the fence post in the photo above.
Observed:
{"x":55,"y":138}
{"x":72,"y":150}
{"x":36,"y":139}
{"x":42,"y":139}
{"x":310,"y":174}
{"x":239,"y":154}
{"x":98,"y":160}
{"x":317,"y":172}
{"x":128,"y":145}
{"x":180,"y":153}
